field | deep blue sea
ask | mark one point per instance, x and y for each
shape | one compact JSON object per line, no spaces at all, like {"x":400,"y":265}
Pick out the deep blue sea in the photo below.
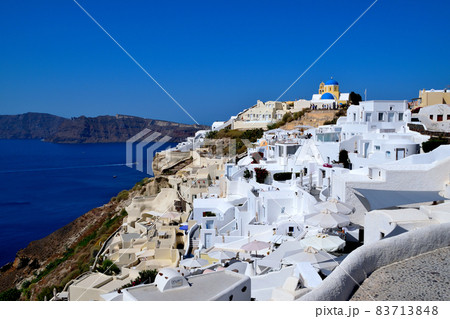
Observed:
{"x":44,"y":186}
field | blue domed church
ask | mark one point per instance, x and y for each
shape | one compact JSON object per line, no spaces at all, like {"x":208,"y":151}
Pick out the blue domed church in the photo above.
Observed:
{"x":329,"y":95}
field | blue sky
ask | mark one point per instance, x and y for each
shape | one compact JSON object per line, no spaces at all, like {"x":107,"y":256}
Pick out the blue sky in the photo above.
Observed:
{"x":215,"y":57}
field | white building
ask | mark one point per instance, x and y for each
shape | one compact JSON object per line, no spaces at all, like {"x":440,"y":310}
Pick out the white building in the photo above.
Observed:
{"x":372,"y":131}
{"x":260,"y":115}
{"x":415,"y":179}
{"x":170,"y":285}
{"x":435,"y":118}
{"x":388,"y":223}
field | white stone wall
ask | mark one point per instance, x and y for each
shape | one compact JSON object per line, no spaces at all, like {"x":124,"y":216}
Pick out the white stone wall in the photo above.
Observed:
{"x":365,"y":260}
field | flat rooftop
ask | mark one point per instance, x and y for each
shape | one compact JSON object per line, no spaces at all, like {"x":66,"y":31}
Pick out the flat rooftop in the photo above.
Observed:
{"x":202,"y":288}
{"x":93,"y":280}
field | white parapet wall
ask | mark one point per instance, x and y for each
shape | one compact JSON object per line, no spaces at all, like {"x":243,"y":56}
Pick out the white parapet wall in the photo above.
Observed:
{"x":341,"y":284}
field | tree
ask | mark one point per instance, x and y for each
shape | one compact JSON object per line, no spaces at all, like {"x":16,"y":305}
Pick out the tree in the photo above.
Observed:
{"x":433,"y":143}
{"x":355,"y":98}
{"x":343,"y":158}
{"x":108,"y":268}
{"x":247,"y":174}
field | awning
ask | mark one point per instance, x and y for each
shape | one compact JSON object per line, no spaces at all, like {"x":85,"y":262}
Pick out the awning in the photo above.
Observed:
{"x":379,"y":199}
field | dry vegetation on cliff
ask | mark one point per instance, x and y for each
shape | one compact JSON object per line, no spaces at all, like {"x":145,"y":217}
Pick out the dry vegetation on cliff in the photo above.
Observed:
{"x":55,"y":260}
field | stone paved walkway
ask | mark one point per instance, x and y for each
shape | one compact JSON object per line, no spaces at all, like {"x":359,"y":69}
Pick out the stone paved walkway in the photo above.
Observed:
{"x":424,"y":277}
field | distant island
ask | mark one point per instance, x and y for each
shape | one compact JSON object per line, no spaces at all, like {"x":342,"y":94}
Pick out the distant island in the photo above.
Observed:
{"x":100,"y":129}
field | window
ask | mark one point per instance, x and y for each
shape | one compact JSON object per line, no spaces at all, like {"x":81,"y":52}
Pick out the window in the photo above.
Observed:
{"x":391,"y":117}
{"x":431,"y":116}
{"x":380,"y":117}
{"x":291,"y":229}
{"x":291,"y":149}
{"x":400,"y":116}
{"x":377,"y":147}
{"x":448,"y":117}
{"x":388,"y":154}
{"x":440,"y":117}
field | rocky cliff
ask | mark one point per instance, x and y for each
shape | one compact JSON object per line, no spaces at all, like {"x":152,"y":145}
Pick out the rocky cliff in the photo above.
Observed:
{"x":100,"y":129}
{"x":51,"y":262}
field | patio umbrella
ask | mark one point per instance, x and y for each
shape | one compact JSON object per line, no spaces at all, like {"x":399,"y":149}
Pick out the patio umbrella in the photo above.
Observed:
{"x":323,"y":242}
{"x":194,"y":262}
{"x":255,"y":245}
{"x":335,"y":206}
{"x":309,"y":254}
{"x":327,"y":219}
{"x":171,"y":215}
{"x":222,"y":255}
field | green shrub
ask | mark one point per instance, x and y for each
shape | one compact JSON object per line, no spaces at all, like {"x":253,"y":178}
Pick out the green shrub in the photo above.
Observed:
{"x":123,"y":195}
{"x":140,"y":184}
{"x":45,"y":292}
{"x":433,"y":143}
{"x":72,"y":275}
{"x":94,"y":251}
{"x":145,"y":277}
{"x":331,"y":122}
{"x":86,"y":240}
{"x":252,"y":135}
{"x":26,"y":284}
{"x":108,"y":267}
{"x":288,"y":117}
{"x":237,"y":135}
{"x":212,"y":134}
{"x":12,"y":294}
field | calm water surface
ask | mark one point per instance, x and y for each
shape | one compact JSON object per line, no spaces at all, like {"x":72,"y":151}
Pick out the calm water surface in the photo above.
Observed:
{"x":44,"y":186}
